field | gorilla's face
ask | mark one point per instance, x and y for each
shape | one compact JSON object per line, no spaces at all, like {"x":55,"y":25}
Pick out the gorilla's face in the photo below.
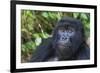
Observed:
{"x":67,"y":38}
{"x":64,"y":36}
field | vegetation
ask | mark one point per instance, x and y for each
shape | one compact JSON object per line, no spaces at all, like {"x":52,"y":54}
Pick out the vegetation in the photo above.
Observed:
{"x":36,"y":25}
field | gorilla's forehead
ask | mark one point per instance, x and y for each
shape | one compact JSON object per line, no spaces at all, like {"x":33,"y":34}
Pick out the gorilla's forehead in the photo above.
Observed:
{"x":69,"y":21}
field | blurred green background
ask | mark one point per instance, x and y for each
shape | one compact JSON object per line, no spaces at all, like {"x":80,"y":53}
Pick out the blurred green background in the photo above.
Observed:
{"x":36,"y":25}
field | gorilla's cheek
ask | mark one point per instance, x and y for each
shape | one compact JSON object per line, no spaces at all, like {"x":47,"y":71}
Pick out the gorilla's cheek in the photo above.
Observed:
{"x":76,"y":41}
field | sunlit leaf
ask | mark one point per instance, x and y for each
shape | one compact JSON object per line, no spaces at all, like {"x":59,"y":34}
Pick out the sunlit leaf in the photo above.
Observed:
{"x":75,"y":15}
{"x":45,"y":14}
{"x":38,"y":41}
{"x":84,"y":16}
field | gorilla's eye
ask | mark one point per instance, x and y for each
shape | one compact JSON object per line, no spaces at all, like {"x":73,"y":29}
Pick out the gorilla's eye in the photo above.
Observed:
{"x":70,"y":29}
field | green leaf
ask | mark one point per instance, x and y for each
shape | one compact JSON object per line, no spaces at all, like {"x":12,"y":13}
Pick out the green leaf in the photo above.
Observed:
{"x":36,"y":35}
{"x":75,"y":15}
{"x":23,"y":48}
{"x":45,"y":14}
{"x":84,"y":16}
{"x":38,"y":41}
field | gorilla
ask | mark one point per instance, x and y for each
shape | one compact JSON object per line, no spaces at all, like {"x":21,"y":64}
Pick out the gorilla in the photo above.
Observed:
{"x":67,"y":43}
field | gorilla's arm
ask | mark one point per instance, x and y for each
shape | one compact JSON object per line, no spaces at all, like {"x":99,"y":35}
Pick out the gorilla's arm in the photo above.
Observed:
{"x":43,"y":51}
{"x":84,"y":54}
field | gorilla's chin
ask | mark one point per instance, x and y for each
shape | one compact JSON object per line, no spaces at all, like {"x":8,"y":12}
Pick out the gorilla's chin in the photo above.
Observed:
{"x":61,"y":46}
{"x":63,"y":52}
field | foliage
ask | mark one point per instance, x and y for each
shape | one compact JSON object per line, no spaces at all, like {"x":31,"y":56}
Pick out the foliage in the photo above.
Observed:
{"x":36,"y":25}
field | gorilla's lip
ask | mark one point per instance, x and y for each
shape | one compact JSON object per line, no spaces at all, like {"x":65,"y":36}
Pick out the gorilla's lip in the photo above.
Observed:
{"x":61,"y":46}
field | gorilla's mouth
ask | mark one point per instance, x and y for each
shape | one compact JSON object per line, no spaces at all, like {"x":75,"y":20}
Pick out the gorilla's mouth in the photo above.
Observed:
{"x":64,"y":46}
{"x":61,"y":46}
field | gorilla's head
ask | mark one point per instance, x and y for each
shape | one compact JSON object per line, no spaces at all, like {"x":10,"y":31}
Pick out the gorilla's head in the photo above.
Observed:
{"x":67,"y":37}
